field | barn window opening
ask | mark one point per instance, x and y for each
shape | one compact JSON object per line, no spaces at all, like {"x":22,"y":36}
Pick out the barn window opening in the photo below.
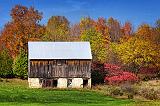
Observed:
{"x":55,"y":82}
{"x":85,"y":83}
{"x":69,"y":83}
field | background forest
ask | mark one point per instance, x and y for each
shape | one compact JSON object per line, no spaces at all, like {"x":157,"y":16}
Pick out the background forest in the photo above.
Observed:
{"x":117,"y":48}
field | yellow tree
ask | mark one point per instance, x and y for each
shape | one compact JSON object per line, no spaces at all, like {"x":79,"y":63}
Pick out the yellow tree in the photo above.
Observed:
{"x":58,"y":28}
{"x":98,"y":44}
{"x":97,"y":32}
{"x":139,"y":52}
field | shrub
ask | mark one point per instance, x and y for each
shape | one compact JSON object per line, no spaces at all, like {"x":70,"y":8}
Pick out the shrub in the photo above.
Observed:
{"x":130,"y":96}
{"x":129,"y":90}
{"x":121,"y":78}
{"x":147,"y":73}
{"x":116,"y":91}
{"x":148,"y":93}
{"x":6,"y":64}
{"x":118,"y":76}
{"x":20,"y":65}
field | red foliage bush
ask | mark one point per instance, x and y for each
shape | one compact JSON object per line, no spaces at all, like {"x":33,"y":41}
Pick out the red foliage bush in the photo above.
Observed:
{"x":117,"y":76}
{"x":123,"y":77}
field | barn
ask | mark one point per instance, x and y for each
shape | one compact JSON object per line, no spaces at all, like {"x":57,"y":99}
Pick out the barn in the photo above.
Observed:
{"x":59,"y":64}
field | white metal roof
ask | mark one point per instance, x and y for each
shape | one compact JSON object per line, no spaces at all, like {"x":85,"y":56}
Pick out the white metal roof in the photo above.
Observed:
{"x":59,"y":50}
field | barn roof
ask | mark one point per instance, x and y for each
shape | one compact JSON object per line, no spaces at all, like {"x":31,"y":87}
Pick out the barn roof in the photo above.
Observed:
{"x":59,"y":50}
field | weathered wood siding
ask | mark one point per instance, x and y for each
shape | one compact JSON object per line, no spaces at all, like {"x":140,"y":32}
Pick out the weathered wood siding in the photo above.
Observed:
{"x":60,"y":68}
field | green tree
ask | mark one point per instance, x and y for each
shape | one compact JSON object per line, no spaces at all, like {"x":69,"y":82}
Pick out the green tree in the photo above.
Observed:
{"x":20,"y":65}
{"x":5,"y":64}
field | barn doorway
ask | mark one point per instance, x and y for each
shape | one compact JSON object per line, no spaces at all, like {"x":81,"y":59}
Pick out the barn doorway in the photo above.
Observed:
{"x":85,"y":83}
{"x":49,"y":83}
{"x":55,"y":82}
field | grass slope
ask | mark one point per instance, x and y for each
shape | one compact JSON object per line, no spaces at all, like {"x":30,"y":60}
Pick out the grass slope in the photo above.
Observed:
{"x":16,"y":93}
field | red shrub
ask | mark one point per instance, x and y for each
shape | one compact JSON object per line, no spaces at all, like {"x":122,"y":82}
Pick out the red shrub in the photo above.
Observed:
{"x":123,"y":77}
{"x":112,"y":66}
{"x":117,"y":76}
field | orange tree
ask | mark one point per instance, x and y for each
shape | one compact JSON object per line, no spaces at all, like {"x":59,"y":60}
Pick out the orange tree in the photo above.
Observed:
{"x":24,"y":26}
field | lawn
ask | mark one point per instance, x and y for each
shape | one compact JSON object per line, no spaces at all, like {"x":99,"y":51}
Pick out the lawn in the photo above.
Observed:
{"x":14,"y":92}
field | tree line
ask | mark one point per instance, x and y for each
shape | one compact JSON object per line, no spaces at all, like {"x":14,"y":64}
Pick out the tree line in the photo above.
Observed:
{"x":111,"y":41}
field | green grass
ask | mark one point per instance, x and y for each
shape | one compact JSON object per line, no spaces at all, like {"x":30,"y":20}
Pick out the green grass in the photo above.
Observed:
{"x":16,"y":93}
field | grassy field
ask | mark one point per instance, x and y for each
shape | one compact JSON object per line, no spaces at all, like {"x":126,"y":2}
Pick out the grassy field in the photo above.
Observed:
{"x":16,"y":93}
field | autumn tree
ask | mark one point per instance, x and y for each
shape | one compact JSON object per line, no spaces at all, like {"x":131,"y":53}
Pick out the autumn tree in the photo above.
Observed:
{"x":146,"y":32}
{"x":96,"y":31}
{"x":114,"y":29}
{"x":127,"y":29}
{"x":86,"y":23}
{"x":58,"y":28}
{"x":157,"y":29}
{"x":138,"y":53}
{"x":98,"y":46}
{"x":101,"y":27}
{"x":24,"y":26}
{"x":74,"y":32}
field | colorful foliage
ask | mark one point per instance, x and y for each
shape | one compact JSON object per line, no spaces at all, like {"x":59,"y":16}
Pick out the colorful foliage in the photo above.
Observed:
{"x":98,"y":45}
{"x":57,"y":28}
{"x":23,"y":27}
{"x":117,"y":76}
{"x":110,"y":41}
{"x":138,"y":52}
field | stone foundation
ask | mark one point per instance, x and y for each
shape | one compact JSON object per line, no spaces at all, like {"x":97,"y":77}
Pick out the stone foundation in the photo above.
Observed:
{"x":77,"y":83}
{"x":89,"y":83}
{"x":62,"y":83}
{"x":34,"y":83}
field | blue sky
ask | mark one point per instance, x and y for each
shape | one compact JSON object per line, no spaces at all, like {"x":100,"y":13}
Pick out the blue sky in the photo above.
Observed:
{"x":135,"y":11}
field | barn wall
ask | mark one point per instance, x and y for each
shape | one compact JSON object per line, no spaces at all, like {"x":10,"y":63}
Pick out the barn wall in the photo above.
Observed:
{"x":60,"y":68}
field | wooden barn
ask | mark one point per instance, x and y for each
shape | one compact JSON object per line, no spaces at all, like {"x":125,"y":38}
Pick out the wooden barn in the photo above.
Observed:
{"x":59,"y":64}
